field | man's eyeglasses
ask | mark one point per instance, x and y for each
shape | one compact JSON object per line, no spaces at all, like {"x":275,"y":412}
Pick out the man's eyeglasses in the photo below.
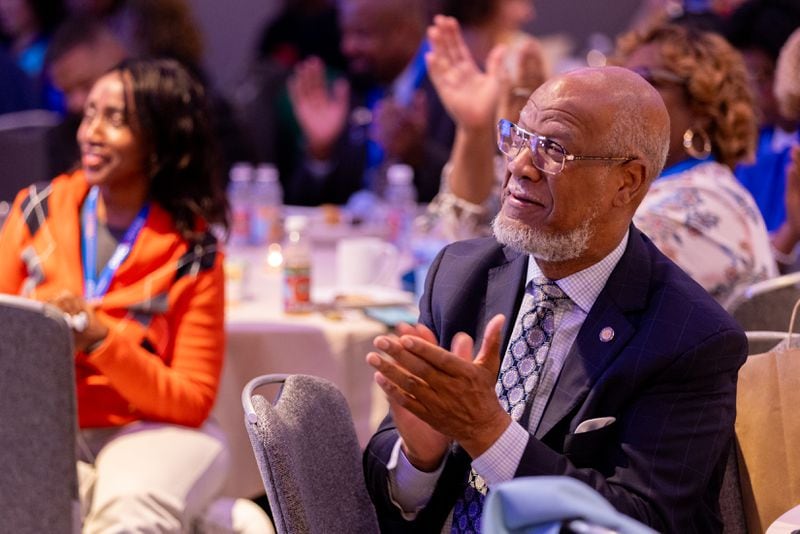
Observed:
{"x":547,"y":155}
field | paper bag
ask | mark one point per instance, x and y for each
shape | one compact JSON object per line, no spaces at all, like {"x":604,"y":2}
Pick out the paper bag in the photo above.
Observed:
{"x":768,"y":435}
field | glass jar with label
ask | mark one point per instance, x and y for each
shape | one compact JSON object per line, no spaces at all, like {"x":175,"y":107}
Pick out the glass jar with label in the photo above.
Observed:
{"x":297,"y":266}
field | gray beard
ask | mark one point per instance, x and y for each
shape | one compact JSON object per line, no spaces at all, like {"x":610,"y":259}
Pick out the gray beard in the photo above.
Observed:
{"x":542,"y":246}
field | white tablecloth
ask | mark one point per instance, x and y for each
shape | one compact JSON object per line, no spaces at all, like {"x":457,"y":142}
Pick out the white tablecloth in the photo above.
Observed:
{"x":308,"y":344}
{"x":263,"y":340}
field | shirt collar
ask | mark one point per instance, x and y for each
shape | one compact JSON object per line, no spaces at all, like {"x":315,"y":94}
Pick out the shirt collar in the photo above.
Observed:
{"x":584,"y":286}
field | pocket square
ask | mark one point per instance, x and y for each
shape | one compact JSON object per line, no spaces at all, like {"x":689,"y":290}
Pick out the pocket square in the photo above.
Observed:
{"x":594,"y":424}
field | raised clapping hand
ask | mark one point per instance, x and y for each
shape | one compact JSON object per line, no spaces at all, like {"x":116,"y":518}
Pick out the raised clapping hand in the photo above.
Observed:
{"x":469,"y":94}
{"x":438,"y":395}
{"x":322,"y":114}
{"x":93,"y":329}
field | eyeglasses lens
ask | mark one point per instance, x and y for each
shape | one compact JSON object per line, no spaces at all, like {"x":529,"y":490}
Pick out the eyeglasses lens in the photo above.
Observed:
{"x":549,"y":156}
{"x":546,"y":155}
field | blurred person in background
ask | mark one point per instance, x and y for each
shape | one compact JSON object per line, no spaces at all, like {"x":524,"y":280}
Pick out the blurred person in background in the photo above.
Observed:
{"x":26,"y":27}
{"x":386,"y":110}
{"x":758,"y":29}
{"x":303,"y":28}
{"x":82,"y":50}
{"x":787,"y":96}
{"x":696,"y":212}
{"x":124,"y":247}
{"x":476,"y":100}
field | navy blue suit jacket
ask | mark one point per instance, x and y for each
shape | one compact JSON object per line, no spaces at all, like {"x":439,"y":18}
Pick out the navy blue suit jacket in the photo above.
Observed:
{"x":668,"y":377}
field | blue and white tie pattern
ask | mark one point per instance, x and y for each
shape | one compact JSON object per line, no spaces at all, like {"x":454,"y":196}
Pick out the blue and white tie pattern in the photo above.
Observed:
{"x":520,"y":373}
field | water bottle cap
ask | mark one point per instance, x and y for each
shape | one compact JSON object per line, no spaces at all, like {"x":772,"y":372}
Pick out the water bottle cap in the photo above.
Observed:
{"x":296,"y":223}
{"x":400,"y":174}
{"x":241,"y":172}
{"x":266,"y":172}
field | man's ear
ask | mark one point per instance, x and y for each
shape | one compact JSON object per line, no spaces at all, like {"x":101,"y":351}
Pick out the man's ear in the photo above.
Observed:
{"x":634,"y":184}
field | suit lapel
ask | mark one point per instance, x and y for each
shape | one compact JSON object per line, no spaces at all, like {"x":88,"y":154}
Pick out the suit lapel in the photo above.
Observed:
{"x":504,"y":293}
{"x":624,"y":293}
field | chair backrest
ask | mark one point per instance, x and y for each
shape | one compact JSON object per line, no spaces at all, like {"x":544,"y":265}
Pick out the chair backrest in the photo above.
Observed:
{"x":38,"y":485}
{"x":730,"y":496}
{"x":765,"y":340}
{"x":308,"y":454}
{"x":766,"y":305}
{"x":24,"y":154}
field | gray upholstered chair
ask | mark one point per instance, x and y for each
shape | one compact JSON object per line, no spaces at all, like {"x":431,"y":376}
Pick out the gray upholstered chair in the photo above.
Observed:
{"x":765,"y":340}
{"x":38,"y":486}
{"x":306,"y":448}
{"x":24,"y":149}
{"x":766,"y":305}
{"x":731,"y":505}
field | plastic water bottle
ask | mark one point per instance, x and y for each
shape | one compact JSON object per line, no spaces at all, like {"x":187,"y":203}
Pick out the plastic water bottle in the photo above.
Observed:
{"x":267,"y":198}
{"x":239,"y":196}
{"x":401,"y":199}
{"x":297,"y":266}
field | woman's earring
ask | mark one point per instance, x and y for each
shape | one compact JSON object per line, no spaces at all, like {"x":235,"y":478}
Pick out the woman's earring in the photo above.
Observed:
{"x":688,"y":143}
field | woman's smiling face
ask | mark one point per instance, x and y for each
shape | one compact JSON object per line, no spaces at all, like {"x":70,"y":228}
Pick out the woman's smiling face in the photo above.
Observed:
{"x":112,"y":151}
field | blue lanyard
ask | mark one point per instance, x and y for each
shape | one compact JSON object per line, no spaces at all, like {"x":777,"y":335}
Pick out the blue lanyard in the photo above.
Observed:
{"x":94,"y":287}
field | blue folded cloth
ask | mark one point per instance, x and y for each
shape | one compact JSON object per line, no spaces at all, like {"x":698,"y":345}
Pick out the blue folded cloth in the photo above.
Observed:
{"x":540,"y":505}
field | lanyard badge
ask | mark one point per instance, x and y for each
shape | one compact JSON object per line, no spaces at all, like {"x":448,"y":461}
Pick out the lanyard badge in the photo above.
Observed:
{"x":96,"y":286}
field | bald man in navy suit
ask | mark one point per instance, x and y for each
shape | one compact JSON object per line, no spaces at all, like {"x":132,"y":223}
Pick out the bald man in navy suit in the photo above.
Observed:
{"x":625,"y":378}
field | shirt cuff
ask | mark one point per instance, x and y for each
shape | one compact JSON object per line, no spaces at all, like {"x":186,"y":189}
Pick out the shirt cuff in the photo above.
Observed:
{"x":409,"y":488}
{"x":499,"y":462}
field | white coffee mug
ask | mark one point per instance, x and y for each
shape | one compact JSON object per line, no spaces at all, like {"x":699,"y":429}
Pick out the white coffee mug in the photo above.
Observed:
{"x":365,"y":261}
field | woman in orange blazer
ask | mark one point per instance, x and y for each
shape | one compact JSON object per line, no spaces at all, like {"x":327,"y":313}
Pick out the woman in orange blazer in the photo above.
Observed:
{"x":123,"y":246}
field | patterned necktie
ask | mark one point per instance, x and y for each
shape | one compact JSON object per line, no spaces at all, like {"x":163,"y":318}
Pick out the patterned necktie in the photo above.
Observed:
{"x":520,"y":373}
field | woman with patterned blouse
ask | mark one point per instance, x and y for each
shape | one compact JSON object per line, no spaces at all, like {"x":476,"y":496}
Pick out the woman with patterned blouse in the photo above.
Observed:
{"x":696,"y":211}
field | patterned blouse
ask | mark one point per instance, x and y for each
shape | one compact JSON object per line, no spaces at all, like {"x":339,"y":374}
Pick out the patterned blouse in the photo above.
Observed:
{"x":451,"y":218}
{"x":700,"y":216}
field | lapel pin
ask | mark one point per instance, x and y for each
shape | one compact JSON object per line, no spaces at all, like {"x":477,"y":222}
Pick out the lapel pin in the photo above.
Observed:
{"x":606,"y":334}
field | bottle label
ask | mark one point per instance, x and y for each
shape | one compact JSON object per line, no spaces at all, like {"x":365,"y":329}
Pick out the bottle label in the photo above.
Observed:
{"x":262,"y":224}
{"x":240,"y":225}
{"x":297,"y":289}
{"x":399,"y":222}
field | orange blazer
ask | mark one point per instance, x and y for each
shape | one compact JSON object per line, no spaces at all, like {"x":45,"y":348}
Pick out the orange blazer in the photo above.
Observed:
{"x":164,"y":308}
